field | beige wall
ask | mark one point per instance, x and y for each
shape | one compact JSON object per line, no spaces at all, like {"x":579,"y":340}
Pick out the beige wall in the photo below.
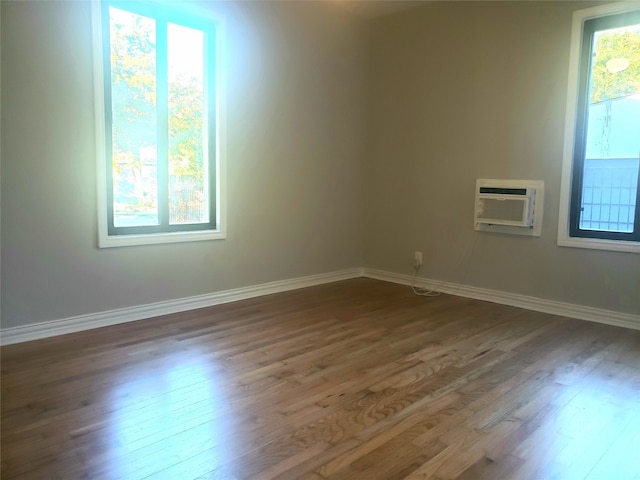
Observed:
{"x":295,"y":134}
{"x":459,"y":91}
{"x":348,"y":145}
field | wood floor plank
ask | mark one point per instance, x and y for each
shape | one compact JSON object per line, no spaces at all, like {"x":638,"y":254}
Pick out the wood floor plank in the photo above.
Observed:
{"x":358,"y":379}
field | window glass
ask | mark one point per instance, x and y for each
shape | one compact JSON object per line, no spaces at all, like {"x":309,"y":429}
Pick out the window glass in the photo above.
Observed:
{"x":134,"y":145}
{"x":188,"y":170}
{"x":609,"y":188}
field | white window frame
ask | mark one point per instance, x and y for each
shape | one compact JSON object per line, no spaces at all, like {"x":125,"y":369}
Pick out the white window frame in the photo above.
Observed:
{"x":104,"y":239}
{"x":579,"y":17}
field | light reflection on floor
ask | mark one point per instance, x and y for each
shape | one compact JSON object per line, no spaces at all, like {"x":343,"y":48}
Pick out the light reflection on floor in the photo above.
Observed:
{"x":594,"y":433}
{"x":178,"y":413}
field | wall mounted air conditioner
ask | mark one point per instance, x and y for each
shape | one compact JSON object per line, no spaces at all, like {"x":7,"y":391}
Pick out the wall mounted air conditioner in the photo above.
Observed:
{"x":509,"y":206}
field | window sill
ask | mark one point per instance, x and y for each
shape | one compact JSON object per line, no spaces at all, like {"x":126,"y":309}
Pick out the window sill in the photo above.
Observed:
{"x":599,"y":244}
{"x":106,"y":241}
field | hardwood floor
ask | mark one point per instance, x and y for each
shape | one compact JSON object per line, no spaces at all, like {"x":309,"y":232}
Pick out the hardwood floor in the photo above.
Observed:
{"x":353,"y":380}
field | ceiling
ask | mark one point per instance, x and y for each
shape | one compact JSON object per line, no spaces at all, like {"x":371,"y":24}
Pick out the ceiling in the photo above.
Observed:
{"x":378,"y":8}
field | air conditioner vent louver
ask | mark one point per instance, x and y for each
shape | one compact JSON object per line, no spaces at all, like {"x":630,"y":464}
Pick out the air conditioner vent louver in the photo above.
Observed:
{"x":504,"y":211}
{"x":503,"y":191}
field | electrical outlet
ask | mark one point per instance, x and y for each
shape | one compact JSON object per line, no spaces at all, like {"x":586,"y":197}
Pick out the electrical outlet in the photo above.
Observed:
{"x":417,"y":259}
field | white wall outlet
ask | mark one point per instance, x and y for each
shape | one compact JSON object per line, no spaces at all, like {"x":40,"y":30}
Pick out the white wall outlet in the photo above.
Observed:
{"x":417,"y":259}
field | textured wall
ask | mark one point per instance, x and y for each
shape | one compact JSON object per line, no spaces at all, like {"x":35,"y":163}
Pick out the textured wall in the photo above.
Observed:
{"x":476,"y":90}
{"x":348,"y":145}
{"x":295,"y":134}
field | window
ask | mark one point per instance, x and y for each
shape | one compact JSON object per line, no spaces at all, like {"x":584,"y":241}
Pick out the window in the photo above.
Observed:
{"x":600,"y":200}
{"x":158,"y":107}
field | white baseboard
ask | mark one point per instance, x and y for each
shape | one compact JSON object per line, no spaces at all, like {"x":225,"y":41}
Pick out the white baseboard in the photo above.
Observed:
{"x":580,"y":312}
{"x":122,"y":315}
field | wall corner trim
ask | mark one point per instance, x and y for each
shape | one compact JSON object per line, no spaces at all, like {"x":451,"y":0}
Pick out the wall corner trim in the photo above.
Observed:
{"x":123,"y":315}
{"x":580,"y":312}
{"x":79,"y":323}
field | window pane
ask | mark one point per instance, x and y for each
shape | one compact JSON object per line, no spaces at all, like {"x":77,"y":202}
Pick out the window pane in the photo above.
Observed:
{"x":610,"y":176}
{"x":188,"y":166}
{"x":134,"y":123}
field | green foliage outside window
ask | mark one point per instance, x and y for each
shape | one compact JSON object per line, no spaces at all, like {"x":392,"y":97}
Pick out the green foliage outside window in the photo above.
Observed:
{"x":607,"y":84}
